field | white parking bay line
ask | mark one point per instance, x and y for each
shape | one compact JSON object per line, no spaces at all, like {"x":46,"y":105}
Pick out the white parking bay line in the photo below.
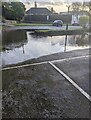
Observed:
{"x":26,"y":65}
{"x":71,"y":81}
{"x":70,"y":58}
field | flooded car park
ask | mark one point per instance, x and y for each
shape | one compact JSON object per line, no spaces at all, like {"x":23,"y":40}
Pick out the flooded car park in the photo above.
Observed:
{"x":54,"y":87}
{"x":40,"y":91}
{"x":19,"y":46}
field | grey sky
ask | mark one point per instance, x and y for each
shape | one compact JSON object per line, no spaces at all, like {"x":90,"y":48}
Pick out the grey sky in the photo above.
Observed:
{"x":54,"y":1}
{"x":58,"y":5}
{"x":45,"y":1}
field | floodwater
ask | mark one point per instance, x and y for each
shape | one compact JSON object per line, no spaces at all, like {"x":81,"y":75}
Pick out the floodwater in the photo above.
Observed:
{"x":19,"y":46}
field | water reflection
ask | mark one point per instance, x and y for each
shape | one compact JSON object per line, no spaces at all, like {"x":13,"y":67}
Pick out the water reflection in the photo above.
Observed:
{"x":82,"y":40}
{"x":19,"y":45}
{"x":13,"y":39}
{"x":65,"y":43}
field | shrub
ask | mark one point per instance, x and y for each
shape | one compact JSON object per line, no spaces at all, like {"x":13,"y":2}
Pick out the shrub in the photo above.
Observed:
{"x":83,"y":20}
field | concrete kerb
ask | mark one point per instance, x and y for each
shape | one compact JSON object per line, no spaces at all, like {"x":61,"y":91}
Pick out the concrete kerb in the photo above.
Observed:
{"x":45,"y":62}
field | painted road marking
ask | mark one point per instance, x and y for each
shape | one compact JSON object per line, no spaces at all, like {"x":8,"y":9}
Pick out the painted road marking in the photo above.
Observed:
{"x":45,"y":62}
{"x":67,"y":59}
{"x":26,"y":65}
{"x":71,"y":81}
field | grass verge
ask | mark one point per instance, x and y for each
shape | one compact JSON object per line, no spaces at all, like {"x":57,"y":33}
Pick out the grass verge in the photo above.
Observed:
{"x":59,"y":32}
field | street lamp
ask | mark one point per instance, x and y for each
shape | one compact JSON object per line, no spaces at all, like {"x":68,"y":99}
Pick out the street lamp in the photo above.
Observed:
{"x":68,"y":7}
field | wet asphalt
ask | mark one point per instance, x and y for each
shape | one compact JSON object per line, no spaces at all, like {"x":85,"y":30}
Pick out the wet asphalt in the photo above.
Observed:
{"x":77,"y":70}
{"x":43,"y":27}
{"x":42,"y":92}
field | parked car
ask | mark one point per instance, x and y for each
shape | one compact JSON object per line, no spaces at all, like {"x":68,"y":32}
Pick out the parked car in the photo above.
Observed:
{"x":58,"y":23}
{"x":75,"y":24}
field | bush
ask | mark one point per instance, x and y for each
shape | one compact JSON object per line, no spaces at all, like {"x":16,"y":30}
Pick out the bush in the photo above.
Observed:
{"x":83,"y":20}
{"x":13,"y":10}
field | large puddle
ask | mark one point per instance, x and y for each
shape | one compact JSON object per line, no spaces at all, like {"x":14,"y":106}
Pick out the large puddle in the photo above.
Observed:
{"x":19,"y":45}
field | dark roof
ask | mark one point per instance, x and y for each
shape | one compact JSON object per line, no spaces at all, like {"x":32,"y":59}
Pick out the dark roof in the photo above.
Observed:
{"x":38,"y":11}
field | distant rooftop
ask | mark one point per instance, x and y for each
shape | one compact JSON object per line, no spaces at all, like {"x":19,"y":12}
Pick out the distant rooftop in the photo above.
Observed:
{"x":74,"y":12}
{"x":38,"y":11}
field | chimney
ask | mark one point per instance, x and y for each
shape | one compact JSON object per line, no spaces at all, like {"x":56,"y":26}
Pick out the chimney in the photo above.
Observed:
{"x":35,"y":4}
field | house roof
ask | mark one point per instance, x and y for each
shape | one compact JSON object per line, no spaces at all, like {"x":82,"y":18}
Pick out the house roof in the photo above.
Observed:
{"x":74,"y":12}
{"x":39,"y":11}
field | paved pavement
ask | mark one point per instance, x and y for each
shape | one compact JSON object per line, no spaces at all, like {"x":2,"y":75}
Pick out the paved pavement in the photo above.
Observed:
{"x":78,"y":70}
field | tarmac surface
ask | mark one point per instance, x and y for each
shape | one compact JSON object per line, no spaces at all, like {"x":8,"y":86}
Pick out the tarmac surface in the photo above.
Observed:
{"x":53,"y":86}
{"x":43,"y":27}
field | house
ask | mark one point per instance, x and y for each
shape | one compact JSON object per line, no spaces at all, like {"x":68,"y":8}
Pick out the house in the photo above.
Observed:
{"x":44,"y":15}
{"x":38,"y":11}
{"x":75,"y":15}
{"x":37,"y":14}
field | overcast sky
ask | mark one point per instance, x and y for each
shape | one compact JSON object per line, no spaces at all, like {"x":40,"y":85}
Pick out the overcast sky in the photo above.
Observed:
{"x":55,"y":1}
{"x":50,"y":1}
{"x":58,"y":5}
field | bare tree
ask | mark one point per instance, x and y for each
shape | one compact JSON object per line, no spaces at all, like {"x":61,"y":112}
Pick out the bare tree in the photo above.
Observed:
{"x":76,"y":6}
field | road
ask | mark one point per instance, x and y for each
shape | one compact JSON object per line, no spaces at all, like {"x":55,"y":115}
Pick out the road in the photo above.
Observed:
{"x":47,"y":27}
{"x":40,"y":27}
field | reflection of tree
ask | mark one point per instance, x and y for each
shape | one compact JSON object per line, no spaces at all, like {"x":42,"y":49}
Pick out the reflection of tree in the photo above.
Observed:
{"x":57,"y":40}
{"x":35,"y":36}
{"x":82,"y":40}
{"x":13,"y":39}
{"x":74,"y":37}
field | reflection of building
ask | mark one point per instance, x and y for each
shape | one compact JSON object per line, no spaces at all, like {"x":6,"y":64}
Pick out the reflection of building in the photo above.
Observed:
{"x":59,"y":40}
